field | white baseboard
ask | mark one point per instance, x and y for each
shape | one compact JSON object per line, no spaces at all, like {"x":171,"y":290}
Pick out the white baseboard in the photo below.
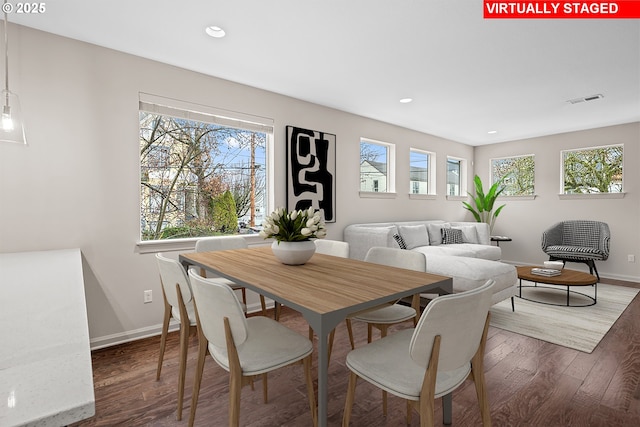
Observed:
{"x":149,"y":331}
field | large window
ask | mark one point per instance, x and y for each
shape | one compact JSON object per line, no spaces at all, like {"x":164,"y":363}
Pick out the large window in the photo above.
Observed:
{"x":592,"y":170}
{"x":421,"y":172}
{"x":202,"y":172}
{"x":376,"y":166}
{"x":456,"y":176}
{"x":517,"y":174}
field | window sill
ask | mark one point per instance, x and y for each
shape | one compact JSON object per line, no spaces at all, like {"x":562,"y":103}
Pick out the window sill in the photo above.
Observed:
{"x":525,"y":197}
{"x":377,"y":195}
{"x":175,"y":245}
{"x":456,"y":198}
{"x":422,"y":196}
{"x":591,"y":196}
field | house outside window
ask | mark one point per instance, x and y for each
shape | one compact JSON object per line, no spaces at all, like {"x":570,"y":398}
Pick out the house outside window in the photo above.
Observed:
{"x":517,"y":172}
{"x":376,"y":166}
{"x":421,"y":172}
{"x":203,"y":171}
{"x":594,"y":170}
{"x":456,"y":176}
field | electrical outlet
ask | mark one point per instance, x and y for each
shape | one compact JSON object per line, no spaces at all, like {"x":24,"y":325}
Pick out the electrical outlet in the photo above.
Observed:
{"x":148,"y":296}
{"x":631,"y":258}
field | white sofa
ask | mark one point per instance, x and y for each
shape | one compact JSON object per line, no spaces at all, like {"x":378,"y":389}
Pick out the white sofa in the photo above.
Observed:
{"x":470,"y":263}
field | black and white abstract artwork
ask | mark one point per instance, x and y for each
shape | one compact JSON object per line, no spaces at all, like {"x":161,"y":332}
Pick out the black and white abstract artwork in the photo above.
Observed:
{"x":311,"y":171}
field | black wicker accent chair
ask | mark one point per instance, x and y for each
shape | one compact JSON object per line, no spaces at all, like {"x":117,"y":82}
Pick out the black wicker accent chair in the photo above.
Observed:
{"x":578,"y":241}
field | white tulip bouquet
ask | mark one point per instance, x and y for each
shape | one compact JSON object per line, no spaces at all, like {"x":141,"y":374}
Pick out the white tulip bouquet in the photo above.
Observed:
{"x":295,"y":226}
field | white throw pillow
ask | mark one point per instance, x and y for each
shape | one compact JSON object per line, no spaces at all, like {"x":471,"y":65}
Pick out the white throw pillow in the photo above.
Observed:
{"x":469,"y":233}
{"x":435,"y":233}
{"x":414,"y":235}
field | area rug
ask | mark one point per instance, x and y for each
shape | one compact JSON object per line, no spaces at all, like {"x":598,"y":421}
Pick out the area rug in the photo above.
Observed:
{"x":580,"y":328}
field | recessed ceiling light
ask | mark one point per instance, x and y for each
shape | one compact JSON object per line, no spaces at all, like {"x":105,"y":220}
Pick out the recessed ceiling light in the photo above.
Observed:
{"x":214,"y":31}
{"x":492,"y":132}
{"x":406,"y":100}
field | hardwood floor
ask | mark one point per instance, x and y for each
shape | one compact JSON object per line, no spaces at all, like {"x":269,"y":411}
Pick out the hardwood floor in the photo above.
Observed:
{"x":530,"y":383}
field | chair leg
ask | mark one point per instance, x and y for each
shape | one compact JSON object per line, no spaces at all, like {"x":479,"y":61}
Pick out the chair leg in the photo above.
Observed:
{"x":350,"y":331}
{"x":184,"y":347}
{"x":265,"y":391}
{"x":244,"y":296}
{"x":477,"y":373}
{"x":263,"y":305}
{"x":202,"y":354}
{"x":332,"y":336}
{"x":592,"y":265}
{"x":310,"y":390}
{"x":348,"y":405}
{"x":235,"y":387}
{"x":513,"y":304}
{"x":163,"y":338}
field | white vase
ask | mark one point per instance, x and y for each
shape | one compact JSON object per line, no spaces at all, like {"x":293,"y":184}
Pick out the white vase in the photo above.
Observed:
{"x":293,"y":253}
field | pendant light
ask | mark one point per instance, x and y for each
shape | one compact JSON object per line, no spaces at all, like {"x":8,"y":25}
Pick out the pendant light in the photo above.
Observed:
{"x":11,"y":124}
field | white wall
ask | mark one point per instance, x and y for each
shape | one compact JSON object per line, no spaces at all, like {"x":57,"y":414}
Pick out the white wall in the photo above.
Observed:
{"x":77,"y":183}
{"x":524,"y":220}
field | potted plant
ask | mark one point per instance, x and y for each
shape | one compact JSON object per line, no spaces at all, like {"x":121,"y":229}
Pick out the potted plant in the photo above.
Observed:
{"x":293,"y":232}
{"x":483,"y":210}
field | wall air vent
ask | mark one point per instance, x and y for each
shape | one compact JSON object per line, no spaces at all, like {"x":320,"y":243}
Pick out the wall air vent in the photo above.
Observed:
{"x":585,"y":99}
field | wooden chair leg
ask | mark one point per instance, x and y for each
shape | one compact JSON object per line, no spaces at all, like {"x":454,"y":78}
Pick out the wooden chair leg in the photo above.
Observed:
{"x":235,"y":387}
{"x":348,"y":405}
{"x":184,"y":347}
{"x":202,"y":354}
{"x":409,"y":413}
{"x":369,"y":333}
{"x":332,"y":335}
{"x":310,"y":390}
{"x":477,"y":373}
{"x":163,"y":337}
{"x":263,"y":304}
{"x":244,"y":296}
{"x":350,"y":331}
{"x":265,"y":391}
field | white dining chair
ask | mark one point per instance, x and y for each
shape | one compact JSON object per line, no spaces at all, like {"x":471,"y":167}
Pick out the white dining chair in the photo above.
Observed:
{"x":245,"y":347}
{"x":178,"y":304}
{"x":222,"y":243}
{"x":431,"y":360}
{"x":387,"y":315}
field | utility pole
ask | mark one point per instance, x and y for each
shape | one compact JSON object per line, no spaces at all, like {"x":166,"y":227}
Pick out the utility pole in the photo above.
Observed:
{"x":252,"y":196}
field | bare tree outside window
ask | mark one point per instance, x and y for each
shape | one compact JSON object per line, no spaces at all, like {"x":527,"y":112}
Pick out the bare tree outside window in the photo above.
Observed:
{"x":593,"y":170}
{"x":198,"y":178}
{"x":517,"y":174}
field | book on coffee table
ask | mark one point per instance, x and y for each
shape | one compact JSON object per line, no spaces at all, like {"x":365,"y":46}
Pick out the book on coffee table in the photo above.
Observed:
{"x":547,"y":272}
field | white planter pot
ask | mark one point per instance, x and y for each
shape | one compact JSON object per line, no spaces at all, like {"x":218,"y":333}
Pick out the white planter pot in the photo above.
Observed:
{"x":293,"y":253}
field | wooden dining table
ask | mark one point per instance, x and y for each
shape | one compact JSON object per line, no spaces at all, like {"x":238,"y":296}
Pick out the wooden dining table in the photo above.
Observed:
{"x":324,"y":290}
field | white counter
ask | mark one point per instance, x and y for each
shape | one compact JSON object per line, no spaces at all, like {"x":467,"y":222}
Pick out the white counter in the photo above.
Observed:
{"x":45,"y":361}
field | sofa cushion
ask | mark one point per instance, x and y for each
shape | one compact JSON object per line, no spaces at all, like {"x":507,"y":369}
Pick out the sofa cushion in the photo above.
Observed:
{"x":469,"y":233}
{"x":470,"y":250}
{"x":435,"y":233}
{"x":451,"y":236}
{"x":414,"y":235}
{"x":400,"y":241}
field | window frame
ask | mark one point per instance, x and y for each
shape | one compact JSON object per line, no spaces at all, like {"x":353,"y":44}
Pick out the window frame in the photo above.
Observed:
{"x":431,"y":173}
{"x":611,"y":195}
{"x":463,"y":178}
{"x":492,"y":175}
{"x":155,"y":104}
{"x":391,"y":171}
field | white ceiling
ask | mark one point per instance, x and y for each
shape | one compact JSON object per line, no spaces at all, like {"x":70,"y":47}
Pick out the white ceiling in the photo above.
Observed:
{"x":467,"y":75}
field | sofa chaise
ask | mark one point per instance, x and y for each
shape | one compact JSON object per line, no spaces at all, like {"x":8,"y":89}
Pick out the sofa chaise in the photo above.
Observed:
{"x":470,"y":261}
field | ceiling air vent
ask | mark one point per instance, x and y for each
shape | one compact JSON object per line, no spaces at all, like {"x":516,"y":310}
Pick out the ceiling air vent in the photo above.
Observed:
{"x":585,"y":99}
